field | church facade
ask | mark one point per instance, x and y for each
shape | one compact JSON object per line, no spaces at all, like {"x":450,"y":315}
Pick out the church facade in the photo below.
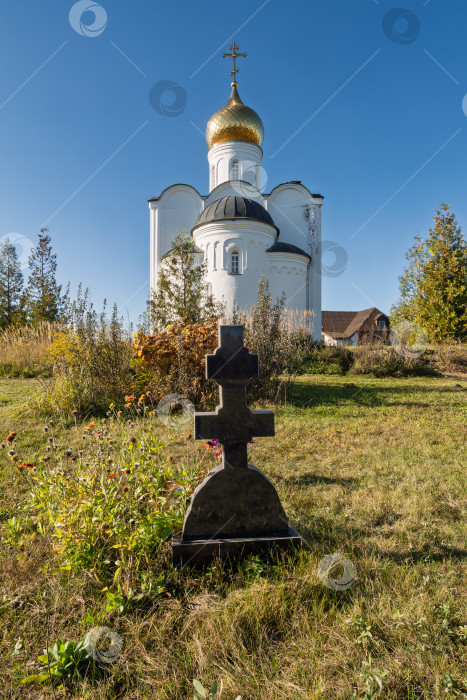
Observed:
{"x":240,"y":232}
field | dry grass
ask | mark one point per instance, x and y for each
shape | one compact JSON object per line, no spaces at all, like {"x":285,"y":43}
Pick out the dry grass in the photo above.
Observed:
{"x":371,"y":468}
{"x":25,"y":350}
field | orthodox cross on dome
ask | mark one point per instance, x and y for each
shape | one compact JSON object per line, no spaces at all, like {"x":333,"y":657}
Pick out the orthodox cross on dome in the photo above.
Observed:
{"x":234,"y":55}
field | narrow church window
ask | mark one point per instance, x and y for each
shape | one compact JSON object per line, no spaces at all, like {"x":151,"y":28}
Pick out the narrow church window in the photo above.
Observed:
{"x":235,"y":263}
{"x":213,"y":176}
{"x":234,"y":174}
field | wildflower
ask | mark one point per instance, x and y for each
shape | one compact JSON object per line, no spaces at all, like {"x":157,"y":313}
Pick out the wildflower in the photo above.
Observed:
{"x":109,"y":413}
{"x":74,"y":458}
{"x":208,"y":445}
{"x":14,"y":458}
{"x":110,"y":442}
{"x":127,"y":471}
{"x":48,"y":448}
{"x":50,"y":439}
{"x":11,"y":436}
{"x":132,"y":440}
{"x":215,"y":442}
{"x":219,"y":453}
{"x":11,"y":453}
{"x":69,"y":452}
{"x":151,"y":413}
{"x":188,"y":436}
{"x":129,"y":399}
{"x":138,"y":410}
{"x":170,"y":458}
{"x":46,"y":428}
{"x":108,"y":461}
{"x":124,"y":489}
{"x":136,"y":465}
{"x":80,"y":452}
{"x":111,"y":406}
{"x":74,"y":413}
{"x":90,"y":426}
{"x":28,"y":464}
{"x":120,"y":413}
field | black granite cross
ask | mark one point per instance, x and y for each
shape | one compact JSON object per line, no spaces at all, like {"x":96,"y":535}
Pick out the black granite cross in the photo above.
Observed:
{"x":232,"y":423}
{"x":236,"y":509}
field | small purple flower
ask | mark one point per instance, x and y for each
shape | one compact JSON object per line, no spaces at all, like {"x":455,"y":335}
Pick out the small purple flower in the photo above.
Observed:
{"x":215,"y":442}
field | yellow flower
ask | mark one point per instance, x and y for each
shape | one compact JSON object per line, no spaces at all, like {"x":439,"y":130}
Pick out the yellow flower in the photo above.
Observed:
{"x":111,"y":406}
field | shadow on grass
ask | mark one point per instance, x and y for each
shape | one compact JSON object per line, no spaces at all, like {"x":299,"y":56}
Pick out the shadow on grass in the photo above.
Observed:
{"x":303,"y":395}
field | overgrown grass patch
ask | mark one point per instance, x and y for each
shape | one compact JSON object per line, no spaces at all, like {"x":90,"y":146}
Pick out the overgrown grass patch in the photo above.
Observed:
{"x":370,"y":468}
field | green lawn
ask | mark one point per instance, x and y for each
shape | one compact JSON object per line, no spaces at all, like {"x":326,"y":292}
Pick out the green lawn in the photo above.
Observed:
{"x":373,"y":469}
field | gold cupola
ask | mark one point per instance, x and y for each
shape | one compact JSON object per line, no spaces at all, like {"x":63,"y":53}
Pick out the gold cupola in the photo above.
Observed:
{"x":235,"y":121}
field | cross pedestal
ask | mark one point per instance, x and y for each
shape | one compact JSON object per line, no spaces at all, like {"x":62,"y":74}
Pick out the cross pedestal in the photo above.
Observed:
{"x":236,"y":509}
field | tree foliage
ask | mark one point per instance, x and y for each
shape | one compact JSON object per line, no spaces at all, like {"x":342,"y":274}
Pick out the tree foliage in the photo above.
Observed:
{"x":43,"y":298}
{"x":433,"y":287}
{"x":181,"y":289}
{"x":11,"y":283}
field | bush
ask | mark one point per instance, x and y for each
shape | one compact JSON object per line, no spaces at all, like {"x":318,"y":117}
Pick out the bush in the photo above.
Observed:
{"x":172,"y":361}
{"x":109,"y":502}
{"x":281,"y":339}
{"x":327,"y":359}
{"x":384,"y":361}
{"x":91,"y":362}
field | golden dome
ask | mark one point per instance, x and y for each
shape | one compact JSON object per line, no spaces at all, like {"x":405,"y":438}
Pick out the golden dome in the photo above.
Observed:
{"x":235,"y":122}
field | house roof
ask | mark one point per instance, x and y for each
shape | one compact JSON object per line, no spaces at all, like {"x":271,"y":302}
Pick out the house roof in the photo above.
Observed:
{"x":343,"y":324}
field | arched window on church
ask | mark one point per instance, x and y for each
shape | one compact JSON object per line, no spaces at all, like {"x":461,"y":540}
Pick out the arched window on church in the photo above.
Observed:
{"x":213,"y":176}
{"x":234,"y":169}
{"x":235,"y":262}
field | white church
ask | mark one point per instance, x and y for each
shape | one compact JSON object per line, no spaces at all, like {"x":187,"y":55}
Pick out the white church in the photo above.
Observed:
{"x":241,"y":232}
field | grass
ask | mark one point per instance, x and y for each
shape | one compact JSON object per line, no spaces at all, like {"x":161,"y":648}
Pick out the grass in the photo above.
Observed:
{"x":373,"y":469}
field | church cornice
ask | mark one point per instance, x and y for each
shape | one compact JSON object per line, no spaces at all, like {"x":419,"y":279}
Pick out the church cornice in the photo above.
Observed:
{"x":175,"y":186}
{"x":294,"y":184}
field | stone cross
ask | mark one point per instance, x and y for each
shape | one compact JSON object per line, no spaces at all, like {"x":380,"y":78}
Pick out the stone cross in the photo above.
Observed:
{"x":236,"y":509}
{"x":232,"y":423}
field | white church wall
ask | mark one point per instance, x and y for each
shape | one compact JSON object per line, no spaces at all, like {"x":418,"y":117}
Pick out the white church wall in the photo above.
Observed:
{"x":236,"y":188}
{"x":177,"y":209}
{"x":250,"y":239}
{"x":287,"y":275}
{"x":221,"y":156}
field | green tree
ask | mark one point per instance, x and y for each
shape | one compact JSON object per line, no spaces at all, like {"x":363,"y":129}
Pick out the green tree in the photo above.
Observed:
{"x":43,"y":298}
{"x":433,"y":288}
{"x":11,"y":283}
{"x":181,"y":289}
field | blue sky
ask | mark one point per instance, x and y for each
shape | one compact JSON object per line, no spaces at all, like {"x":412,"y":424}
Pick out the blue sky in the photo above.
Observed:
{"x":362,"y":106}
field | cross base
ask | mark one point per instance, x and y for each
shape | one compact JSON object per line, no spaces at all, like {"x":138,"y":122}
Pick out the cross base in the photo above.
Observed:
{"x":200,"y":551}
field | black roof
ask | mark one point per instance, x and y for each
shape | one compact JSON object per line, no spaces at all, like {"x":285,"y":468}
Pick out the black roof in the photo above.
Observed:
{"x":281,"y":247}
{"x":234,"y":208}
